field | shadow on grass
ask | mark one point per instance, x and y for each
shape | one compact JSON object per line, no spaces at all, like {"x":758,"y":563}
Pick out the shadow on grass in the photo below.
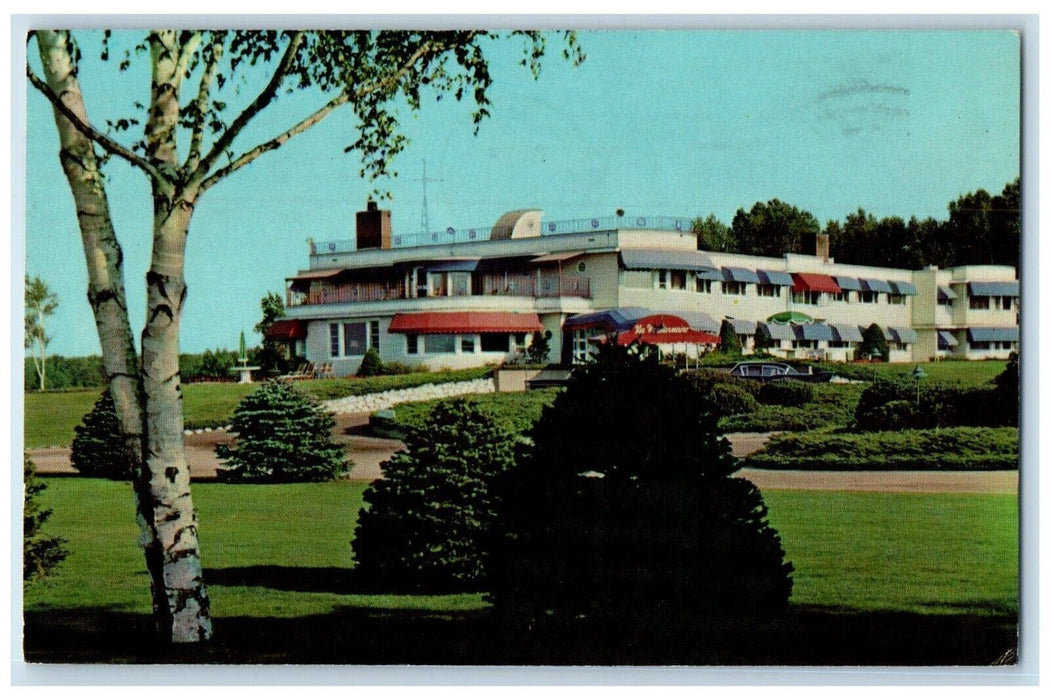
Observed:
{"x":368,"y":635}
{"x":339,"y":580}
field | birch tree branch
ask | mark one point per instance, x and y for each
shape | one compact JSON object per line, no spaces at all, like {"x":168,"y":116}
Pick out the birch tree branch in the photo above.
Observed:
{"x":203,"y":93}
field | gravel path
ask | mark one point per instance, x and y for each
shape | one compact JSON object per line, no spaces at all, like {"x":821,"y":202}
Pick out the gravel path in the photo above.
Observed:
{"x":368,"y":452}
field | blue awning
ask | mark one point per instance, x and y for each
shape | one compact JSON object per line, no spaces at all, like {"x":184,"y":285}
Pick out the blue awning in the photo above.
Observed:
{"x":984,"y":335}
{"x":875,"y":286}
{"x":994,"y":289}
{"x":945,"y":293}
{"x":643,"y":259}
{"x":739,"y":274}
{"x":901,"y":334}
{"x":845,"y":332}
{"x":465,"y":265}
{"x":699,"y":321}
{"x":778,"y":331}
{"x":775,"y":277}
{"x":848,"y":283}
{"x":742,"y":326}
{"x":611,"y":320}
{"x":813,"y":331}
{"x":946,"y":340}
{"x":709,"y":273}
{"x":906,"y":288}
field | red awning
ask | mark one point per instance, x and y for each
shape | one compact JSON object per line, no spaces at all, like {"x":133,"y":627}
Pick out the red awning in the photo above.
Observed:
{"x":288,"y":329}
{"x":812,"y":282}
{"x":315,"y":275}
{"x":689,"y":337}
{"x":466,"y":322}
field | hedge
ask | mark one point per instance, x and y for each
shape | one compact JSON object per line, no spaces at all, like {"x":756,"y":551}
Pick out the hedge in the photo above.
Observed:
{"x":963,"y":449}
{"x":785,"y":393}
{"x":339,"y":388}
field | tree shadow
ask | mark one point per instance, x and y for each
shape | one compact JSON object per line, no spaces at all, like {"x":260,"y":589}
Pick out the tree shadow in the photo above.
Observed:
{"x":383,"y":635}
{"x":305,"y":579}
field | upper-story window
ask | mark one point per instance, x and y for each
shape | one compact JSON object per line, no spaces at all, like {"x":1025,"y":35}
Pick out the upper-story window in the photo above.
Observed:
{"x":662,"y":279}
{"x":840,"y":296}
{"x":945,"y":301}
{"x":677,"y":279}
{"x":768,"y":290}
{"x":807,"y":297}
{"x":896,"y":299}
{"x":733,"y":288}
{"x":703,"y":286}
{"x":868,"y":297}
{"x":980,"y":302}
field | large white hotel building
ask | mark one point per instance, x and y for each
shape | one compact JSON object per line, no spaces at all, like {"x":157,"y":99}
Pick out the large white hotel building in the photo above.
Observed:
{"x":467,"y":297}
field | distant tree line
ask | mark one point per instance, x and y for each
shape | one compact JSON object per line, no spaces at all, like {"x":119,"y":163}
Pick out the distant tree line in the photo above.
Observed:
{"x":981,"y":228}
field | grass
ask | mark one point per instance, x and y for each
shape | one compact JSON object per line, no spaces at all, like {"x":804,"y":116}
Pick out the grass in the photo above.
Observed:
{"x":909,"y":578}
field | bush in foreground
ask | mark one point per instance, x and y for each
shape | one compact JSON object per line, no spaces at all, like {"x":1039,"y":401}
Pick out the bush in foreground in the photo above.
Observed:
{"x":625,"y":512}
{"x":282,"y":436}
{"x":98,"y":445}
{"x":785,"y":393}
{"x":40,"y":553}
{"x":425,"y":521}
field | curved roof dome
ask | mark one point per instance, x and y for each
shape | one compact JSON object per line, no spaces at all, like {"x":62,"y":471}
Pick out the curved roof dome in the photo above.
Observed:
{"x":520,"y":223}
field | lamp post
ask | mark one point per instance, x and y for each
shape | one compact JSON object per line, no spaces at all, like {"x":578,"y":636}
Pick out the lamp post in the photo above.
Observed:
{"x":874,"y":355}
{"x":918,"y":373}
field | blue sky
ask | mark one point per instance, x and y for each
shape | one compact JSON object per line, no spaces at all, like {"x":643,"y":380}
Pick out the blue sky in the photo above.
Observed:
{"x":655,"y":122}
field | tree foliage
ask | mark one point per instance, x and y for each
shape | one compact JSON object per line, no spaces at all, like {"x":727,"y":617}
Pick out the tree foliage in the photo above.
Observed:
{"x":730,"y":344}
{"x":427,"y":519}
{"x":40,"y":303}
{"x":371,"y":364}
{"x":596,"y":524}
{"x":98,"y":444}
{"x":282,"y":436}
{"x":40,"y":553}
{"x":872,"y":340}
{"x":540,"y":348}
{"x":712,"y":234}
{"x":774,"y":228}
{"x":270,"y":358}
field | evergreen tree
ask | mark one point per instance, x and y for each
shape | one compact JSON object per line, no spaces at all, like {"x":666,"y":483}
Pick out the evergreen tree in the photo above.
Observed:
{"x":600,"y":524}
{"x":730,"y":344}
{"x":270,"y":358}
{"x":98,"y":444}
{"x":40,"y":554}
{"x":282,"y":436}
{"x":371,"y":365}
{"x":539,"y":349}
{"x":427,"y":518}
{"x":874,"y":339}
{"x":763,"y":340}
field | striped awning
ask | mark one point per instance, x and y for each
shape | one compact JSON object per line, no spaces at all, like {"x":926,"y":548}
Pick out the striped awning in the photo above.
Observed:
{"x":742,"y":326}
{"x":945,"y":293}
{"x":875,"y":286}
{"x":848,"y":283}
{"x":774,"y":277}
{"x":813,"y":282}
{"x":994,"y":289}
{"x":846,"y":333}
{"x":813,"y":331}
{"x":644,"y":259}
{"x":316,"y":274}
{"x":460,"y":265}
{"x":700,"y":321}
{"x":906,"y":288}
{"x":709,"y":273}
{"x":466,"y":322}
{"x":778,"y":331}
{"x":610,"y":320}
{"x":901,"y":334}
{"x":739,"y":274}
{"x":984,"y":335}
{"x":946,"y":340}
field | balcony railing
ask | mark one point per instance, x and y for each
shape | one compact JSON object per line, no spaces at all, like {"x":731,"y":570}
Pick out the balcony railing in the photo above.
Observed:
{"x":488,"y":285}
{"x":467,"y":234}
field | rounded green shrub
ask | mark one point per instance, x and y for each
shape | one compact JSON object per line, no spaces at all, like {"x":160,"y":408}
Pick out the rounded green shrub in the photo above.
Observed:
{"x":371,"y":365}
{"x":624,"y":513}
{"x":98,"y":445}
{"x":40,"y":553}
{"x":425,"y":523}
{"x":282,"y":436}
{"x":785,"y":393}
{"x":730,"y":400}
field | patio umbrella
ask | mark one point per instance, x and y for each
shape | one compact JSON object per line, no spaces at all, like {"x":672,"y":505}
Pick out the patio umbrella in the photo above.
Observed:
{"x":789,"y":317}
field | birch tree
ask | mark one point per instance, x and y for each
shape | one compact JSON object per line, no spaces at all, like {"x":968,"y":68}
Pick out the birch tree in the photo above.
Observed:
{"x":41,"y":302}
{"x":196,"y":78}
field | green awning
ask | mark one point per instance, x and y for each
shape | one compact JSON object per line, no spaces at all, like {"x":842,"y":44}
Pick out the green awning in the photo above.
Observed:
{"x":790,"y":317}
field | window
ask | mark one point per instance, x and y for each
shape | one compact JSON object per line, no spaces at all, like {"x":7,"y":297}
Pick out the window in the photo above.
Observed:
{"x":838,"y":344}
{"x":981,"y":345}
{"x":333,"y":336}
{"x":677,"y":279}
{"x":580,"y":347}
{"x":811,"y":344}
{"x":979,"y":303}
{"x":355,"y":339}
{"x":1007,"y":303}
{"x":411,"y":344}
{"x":495,"y":342}
{"x":460,"y":283}
{"x":440,"y":343}
{"x":768,"y":290}
{"x":703,"y":286}
{"x":869,"y":297}
{"x":519,"y":342}
{"x":944,"y":301}
{"x":805,"y":297}
{"x":733,"y":288}
{"x":661,"y":279}
{"x":373,"y":335}
{"x":896,"y":299}
{"x":466,"y":344}
{"x":841,"y":296}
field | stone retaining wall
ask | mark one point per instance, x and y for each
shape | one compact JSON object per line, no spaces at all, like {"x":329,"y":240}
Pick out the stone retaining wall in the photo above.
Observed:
{"x":386,"y":399}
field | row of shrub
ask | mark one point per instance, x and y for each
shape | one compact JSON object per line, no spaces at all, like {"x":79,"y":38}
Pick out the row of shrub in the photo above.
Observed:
{"x":359,"y":386}
{"x":514,"y":412}
{"x":955,"y":449}
{"x":901,"y":405}
{"x":66,"y":373}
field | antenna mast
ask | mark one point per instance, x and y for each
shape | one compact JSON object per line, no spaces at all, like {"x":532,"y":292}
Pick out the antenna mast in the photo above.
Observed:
{"x":424,"y":223}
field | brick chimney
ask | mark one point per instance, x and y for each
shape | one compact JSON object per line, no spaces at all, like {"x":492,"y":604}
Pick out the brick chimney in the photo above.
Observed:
{"x":823,"y":247}
{"x":373,"y":227}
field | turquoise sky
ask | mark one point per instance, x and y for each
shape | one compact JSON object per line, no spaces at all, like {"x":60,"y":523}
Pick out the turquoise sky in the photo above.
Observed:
{"x":682,"y":123}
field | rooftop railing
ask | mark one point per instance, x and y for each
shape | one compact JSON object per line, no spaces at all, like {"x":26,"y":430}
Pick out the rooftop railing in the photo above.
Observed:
{"x":469,"y":234}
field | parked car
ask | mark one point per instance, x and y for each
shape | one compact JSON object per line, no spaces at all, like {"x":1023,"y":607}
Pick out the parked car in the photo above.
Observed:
{"x":776,"y":371}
